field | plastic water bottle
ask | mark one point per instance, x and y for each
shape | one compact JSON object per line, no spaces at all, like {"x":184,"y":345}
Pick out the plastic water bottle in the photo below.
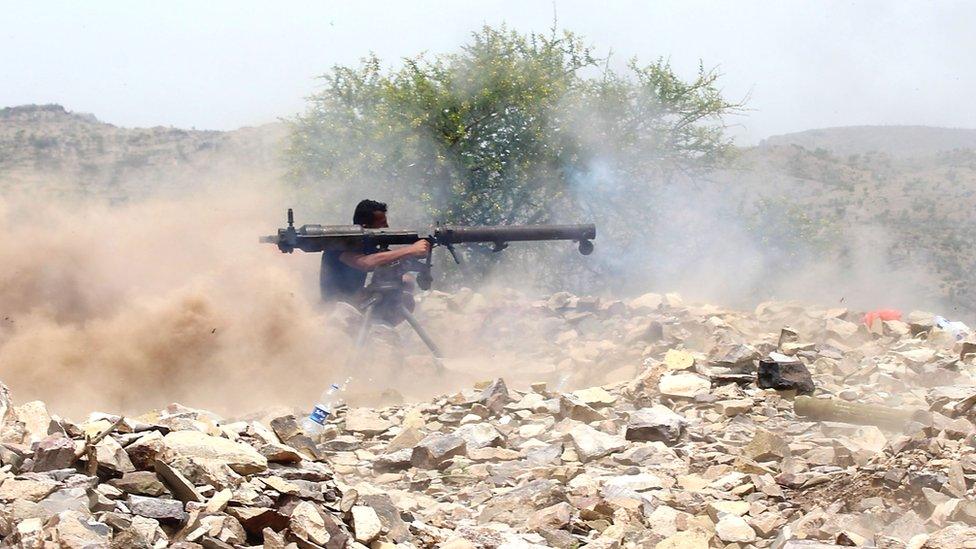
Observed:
{"x":314,"y":424}
{"x":957,"y":329}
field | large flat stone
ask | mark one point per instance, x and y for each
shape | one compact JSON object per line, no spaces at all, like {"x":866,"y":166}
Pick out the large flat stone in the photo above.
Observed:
{"x":54,"y":452}
{"x":657,"y":423}
{"x":591,"y":444}
{"x":198,"y":446}
{"x":435,"y":449}
{"x":31,"y":487}
{"x":167,"y":511}
{"x":683,"y":385}
{"x":366,"y":421}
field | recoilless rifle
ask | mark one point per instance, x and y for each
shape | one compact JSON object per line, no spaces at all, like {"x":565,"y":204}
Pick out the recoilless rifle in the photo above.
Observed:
{"x":323,"y":238}
{"x":385,"y":289}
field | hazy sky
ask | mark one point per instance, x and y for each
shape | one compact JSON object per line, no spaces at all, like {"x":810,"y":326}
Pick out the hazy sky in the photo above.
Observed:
{"x":220,"y":65}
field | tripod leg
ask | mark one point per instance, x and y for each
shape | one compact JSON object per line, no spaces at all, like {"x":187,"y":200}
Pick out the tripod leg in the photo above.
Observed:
{"x":425,"y":337}
{"x":363,"y":332}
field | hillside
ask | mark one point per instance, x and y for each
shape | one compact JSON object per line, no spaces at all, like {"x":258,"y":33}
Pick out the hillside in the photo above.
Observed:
{"x":895,"y":141}
{"x":48,"y":145}
{"x":919,"y":208}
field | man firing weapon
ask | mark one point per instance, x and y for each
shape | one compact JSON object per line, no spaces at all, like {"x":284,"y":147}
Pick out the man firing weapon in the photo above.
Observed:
{"x":342,"y":276}
{"x":352,"y":251}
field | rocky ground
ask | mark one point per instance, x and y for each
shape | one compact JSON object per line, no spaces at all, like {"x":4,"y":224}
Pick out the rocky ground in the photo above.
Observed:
{"x":658,"y":424}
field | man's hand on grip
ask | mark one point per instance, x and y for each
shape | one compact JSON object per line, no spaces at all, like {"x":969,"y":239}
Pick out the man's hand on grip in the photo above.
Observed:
{"x":420,"y":248}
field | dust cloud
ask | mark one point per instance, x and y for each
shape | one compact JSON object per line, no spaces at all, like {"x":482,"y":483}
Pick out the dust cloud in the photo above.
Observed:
{"x":171,"y":298}
{"x":700,"y":242}
{"x":130,"y":307}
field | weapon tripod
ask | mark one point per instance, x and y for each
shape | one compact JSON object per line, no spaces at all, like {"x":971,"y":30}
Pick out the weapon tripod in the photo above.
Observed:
{"x":385,"y":298}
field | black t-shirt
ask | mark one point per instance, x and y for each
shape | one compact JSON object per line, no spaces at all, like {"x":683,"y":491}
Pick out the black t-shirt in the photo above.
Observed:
{"x":338,"y":281}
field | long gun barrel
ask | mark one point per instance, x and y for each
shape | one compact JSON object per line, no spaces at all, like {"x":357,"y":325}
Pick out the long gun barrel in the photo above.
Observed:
{"x":500,"y":236}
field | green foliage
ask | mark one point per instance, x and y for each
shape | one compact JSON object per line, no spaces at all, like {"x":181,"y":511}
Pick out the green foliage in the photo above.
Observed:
{"x":792,"y":230}
{"x":505,"y":130}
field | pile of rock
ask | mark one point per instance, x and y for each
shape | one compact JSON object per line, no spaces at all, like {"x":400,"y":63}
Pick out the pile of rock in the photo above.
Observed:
{"x":178,"y":477}
{"x":787,"y":427}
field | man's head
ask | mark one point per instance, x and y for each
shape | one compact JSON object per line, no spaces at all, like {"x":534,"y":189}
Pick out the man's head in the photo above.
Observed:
{"x":370,"y":214}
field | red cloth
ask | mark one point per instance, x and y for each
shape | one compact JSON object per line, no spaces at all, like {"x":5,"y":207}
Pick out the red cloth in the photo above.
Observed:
{"x":883,"y":314}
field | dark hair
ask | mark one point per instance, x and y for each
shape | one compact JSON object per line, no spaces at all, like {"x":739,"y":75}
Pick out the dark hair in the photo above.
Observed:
{"x":364,"y":211}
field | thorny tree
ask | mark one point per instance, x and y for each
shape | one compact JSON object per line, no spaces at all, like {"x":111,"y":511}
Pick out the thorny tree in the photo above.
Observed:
{"x":512,"y":128}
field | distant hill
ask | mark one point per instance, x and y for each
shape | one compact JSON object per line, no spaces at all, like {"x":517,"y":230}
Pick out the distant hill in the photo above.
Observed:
{"x":825,"y":187}
{"x":895,"y":141}
{"x":47,"y":144}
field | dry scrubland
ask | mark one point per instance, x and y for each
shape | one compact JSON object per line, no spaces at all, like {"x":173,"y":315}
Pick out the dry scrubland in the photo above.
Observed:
{"x":565,"y":421}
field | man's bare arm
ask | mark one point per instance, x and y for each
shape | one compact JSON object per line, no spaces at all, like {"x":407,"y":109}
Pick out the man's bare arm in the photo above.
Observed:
{"x":368,"y":262}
